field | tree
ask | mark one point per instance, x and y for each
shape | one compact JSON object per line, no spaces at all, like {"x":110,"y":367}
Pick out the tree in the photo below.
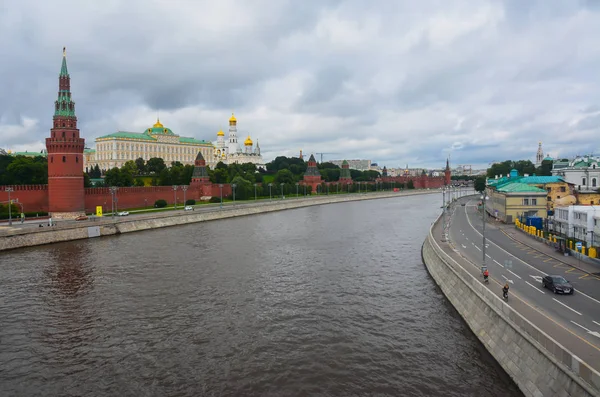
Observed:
{"x":141,"y":165}
{"x":116,"y":177}
{"x":155,"y":165}
{"x":479,"y":184}
{"x":21,"y":170}
{"x":284,"y":176}
{"x":86,"y":180}
{"x":130,"y":167}
{"x":545,"y":169}
{"x":243,"y":188}
{"x":410,"y":185}
{"x":95,"y":172}
{"x":139,"y":182}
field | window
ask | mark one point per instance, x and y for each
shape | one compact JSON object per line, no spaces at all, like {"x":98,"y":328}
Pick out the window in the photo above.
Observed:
{"x":563,"y":189}
{"x":549,"y":198}
{"x":77,"y":159}
{"x":533,"y":201}
{"x":525,"y":201}
{"x":593,"y":182}
{"x":549,"y":189}
{"x":583,"y":181}
{"x":64,"y":159}
{"x":52,"y":159}
{"x":63,"y":134}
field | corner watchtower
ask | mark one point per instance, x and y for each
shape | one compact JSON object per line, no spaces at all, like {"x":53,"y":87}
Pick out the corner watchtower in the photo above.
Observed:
{"x":66,"y":198}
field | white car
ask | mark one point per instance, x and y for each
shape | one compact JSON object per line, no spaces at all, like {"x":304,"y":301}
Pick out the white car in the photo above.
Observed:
{"x":123,"y":213}
{"x":188,"y":208}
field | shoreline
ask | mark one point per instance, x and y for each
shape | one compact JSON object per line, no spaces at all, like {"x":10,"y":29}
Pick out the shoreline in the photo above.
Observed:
{"x":15,"y":238}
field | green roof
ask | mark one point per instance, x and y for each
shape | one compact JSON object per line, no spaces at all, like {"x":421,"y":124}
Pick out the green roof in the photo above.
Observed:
{"x":518,"y":187}
{"x":29,"y":154}
{"x":541,"y":179}
{"x":147,"y":137}
{"x":128,"y":135}
{"x":89,"y":150}
{"x":63,"y":68}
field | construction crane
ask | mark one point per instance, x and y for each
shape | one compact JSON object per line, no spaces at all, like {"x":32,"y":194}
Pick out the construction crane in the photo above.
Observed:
{"x":323,"y":154}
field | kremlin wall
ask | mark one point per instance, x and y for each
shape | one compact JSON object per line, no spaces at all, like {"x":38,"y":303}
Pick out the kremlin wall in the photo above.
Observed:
{"x":66,"y":198}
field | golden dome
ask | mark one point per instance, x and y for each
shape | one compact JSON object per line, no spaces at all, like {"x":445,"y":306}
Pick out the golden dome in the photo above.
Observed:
{"x":248,"y":141}
{"x":158,"y":124}
{"x":220,"y":133}
{"x":232,"y":119}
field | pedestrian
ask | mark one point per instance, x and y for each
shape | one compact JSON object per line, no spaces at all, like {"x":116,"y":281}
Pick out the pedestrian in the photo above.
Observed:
{"x":22,"y":217}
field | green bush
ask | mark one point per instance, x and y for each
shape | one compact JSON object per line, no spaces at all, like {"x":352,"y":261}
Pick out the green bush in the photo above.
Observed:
{"x":160,"y":203}
{"x":190,"y":202}
{"x":215,"y":199}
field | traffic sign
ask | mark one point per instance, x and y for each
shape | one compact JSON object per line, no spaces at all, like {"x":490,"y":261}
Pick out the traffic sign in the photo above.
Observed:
{"x":578,"y":245}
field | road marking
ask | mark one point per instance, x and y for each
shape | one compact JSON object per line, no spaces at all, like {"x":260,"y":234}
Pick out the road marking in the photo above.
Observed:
{"x":536,"y":278}
{"x":464,"y":246}
{"x":516,"y":275}
{"x":467,"y":238}
{"x":548,"y":260}
{"x":595,"y":322}
{"x":573,"y":310}
{"x":584,"y":276}
{"x":477,"y":247}
{"x":536,"y":288}
{"x":597,"y":334}
{"x":488,"y":256}
{"x":520,"y":260}
{"x":498,"y":263}
{"x":506,"y":278}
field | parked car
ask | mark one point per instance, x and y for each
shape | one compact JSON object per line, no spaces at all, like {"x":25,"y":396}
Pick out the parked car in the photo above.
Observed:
{"x":81,"y":218}
{"x":188,"y":208}
{"x":558,"y":285}
{"x":123,"y":213}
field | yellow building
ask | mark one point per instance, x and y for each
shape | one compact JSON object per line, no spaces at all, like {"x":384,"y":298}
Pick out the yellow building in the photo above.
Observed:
{"x":114,"y":150}
{"x":512,"y":200}
{"x":588,"y":198}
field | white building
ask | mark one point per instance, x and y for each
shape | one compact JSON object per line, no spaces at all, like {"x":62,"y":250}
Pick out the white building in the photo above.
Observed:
{"x":114,"y":150}
{"x":231,"y":152}
{"x":583,"y":172}
{"x":577,"y":221}
{"x":596,"y":235}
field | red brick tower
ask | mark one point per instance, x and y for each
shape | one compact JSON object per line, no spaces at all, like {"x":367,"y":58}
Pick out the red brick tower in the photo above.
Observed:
{"x":345,"y":176}
{"x":447,"y":173}
{"x":65,"y":155}
{"x":200,"y":174}
{"x":312,"y":176}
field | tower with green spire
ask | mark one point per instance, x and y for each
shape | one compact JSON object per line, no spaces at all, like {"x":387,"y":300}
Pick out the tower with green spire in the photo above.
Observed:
{"x":65,"y":147}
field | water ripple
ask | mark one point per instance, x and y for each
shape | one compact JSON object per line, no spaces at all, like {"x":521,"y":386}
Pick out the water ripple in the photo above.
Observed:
{"x":329,"y":301}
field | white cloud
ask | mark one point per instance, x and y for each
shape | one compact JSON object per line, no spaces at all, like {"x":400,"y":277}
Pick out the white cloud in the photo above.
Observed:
{"x":392,"y":81}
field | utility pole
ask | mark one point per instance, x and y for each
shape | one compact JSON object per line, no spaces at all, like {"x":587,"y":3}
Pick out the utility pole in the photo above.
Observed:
{"x":9,"y":190}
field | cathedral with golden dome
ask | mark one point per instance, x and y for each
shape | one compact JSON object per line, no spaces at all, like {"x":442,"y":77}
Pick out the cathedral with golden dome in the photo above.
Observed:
{"x":230,"y":152}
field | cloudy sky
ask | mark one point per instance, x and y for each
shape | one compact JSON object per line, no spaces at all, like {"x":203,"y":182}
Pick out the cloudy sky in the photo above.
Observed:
{"x":392,"y":81}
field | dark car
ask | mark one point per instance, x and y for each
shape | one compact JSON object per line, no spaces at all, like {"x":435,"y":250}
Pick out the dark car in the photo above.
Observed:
{"x":558,"y":285}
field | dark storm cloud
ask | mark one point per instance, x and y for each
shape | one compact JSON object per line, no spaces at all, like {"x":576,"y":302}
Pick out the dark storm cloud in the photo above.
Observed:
{"x":391,"y":81}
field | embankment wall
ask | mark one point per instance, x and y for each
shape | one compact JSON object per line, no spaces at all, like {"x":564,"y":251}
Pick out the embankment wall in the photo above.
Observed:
{"x":539,"y":365}
{"x":19,"y":238}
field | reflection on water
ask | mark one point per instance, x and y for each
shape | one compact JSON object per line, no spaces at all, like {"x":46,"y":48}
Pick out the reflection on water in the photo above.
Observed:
{"x":328,"y":300}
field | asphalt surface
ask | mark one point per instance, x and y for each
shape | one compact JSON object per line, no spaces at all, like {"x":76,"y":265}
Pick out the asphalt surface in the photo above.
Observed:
{"x":522,"y":267}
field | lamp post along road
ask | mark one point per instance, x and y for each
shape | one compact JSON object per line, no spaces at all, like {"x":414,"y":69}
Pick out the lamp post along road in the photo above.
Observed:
{"x":297,"y":189}
{"x":113,"y":192}
{"x":234,"y":186}
{"x":444,"y":214}
{"x":174,"y":197}
{"x":221,"y":192}
{"x":484,"y":198}
{"x":255,"y":192}
{"x":9,"y":190}
{"x":184,"y":188}
{"x":281,"y":184}
{"x":270,"y":196}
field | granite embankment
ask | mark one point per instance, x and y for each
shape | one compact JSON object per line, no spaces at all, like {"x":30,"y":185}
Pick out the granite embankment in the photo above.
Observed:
{"x":19,"y":238}
{"x":539,"y":365}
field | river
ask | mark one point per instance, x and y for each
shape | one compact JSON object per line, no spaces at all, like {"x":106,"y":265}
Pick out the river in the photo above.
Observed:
{"x":329,"y":300}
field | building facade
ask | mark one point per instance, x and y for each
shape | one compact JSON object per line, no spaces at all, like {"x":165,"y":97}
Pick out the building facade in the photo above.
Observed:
{"x":511,"y":201}
{"x":114,"y":150}
{"x":577,"y":221}
{"x":583,"y":172}
{"x":230,"y":151}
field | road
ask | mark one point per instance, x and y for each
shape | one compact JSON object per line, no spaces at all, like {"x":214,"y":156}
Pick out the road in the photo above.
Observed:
{"x":576,"y":317}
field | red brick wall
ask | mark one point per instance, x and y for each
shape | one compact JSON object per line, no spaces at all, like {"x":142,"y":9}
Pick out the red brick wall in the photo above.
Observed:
{"x":33,"y":197}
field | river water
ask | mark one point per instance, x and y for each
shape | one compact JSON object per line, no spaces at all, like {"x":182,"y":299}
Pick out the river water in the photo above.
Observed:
{"x":321,"y":301}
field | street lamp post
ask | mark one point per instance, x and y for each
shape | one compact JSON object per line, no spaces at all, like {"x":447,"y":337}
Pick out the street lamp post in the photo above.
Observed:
{"x":9,"y":190}
{"x":337,"y":188}
{"x":297,"y":184}
{"x":174,"y":197}
{"x":281,"y":184}
{"x":484,"y":198}
{"x":349,"y":187}
{"x":270,"y":195}
{"x":184,"y":188}
{"x":221,"y":192}
{"x":233,"y":186}
{"x":328,"y":189}
{"x":304,"y":190}
{"x":443,"y":214}
{"x":113,"y":192}
{"x":255,"y":191}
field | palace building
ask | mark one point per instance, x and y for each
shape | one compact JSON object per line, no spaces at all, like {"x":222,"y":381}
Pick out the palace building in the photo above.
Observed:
{"x":231,"y":152}
{"x":114,"y":150}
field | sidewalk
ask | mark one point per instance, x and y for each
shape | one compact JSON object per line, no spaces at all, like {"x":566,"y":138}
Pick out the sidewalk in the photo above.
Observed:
{"x":543,"y":247}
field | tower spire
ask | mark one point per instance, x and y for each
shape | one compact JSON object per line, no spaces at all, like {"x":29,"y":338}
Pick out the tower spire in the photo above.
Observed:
{"x":64,"y":72}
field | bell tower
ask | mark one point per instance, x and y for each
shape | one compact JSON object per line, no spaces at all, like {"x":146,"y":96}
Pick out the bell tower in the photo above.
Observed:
{"x":66,"y":199}
{"x":447,"y":173}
